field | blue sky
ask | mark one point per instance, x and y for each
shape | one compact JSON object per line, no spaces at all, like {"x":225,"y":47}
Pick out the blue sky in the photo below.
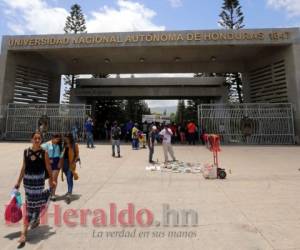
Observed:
{"x":48,"y":16}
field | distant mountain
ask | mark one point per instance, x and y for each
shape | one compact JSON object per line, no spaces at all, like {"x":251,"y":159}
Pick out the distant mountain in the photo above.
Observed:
{"x":160,"y":110}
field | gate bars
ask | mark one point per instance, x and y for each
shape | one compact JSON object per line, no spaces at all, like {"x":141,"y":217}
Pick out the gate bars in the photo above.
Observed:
{"x":3,"y":111}
{"x":23,"y":119}
{"x":271,"y":124}
{"x":266,"y":124}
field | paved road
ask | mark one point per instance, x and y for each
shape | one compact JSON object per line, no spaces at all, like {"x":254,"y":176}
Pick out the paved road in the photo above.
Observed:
{"x":257,"y":207}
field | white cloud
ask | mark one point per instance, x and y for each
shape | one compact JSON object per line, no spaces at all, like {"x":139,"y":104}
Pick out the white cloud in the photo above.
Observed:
{"x":175,"y":3}
{"x":34,"y":16}
{"x":291,"y":6}
{"x":38,"y":17}
{"x":128,"y":16}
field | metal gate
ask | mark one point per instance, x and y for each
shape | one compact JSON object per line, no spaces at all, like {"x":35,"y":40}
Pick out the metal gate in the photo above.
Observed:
{"x":23,"y":119}
{"x":3,"y":114}
{"x":265,"y":124}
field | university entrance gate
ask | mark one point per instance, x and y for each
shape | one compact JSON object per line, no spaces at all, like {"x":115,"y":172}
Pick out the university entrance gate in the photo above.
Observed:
{"x":247,"y":124}
{"x":268,"y":59}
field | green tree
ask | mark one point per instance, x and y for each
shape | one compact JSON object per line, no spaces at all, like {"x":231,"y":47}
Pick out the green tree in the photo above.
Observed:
{"x":107,"y":109}
{"x":135,"y":109}
{"x":68,"y":79}
{"x":232,"y":17}
{"x":173,"y":117}
{"x":110,"y":109}
{"x":191,"y":110}
{"x":75,"y":23}
{"x":181,"y":111}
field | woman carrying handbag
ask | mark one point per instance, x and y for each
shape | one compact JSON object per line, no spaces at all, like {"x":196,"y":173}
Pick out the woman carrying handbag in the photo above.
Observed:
{"x":35,"y":169}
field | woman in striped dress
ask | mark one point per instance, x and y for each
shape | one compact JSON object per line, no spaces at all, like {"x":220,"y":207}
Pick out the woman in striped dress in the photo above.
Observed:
{"x":36,"y":166}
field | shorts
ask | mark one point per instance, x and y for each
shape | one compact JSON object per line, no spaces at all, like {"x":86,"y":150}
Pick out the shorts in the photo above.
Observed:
{"x":54,"y":164}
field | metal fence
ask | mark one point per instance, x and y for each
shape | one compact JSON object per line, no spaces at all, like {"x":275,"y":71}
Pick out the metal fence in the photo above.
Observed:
{"x":3,"y":113}
{"x":260,"y":124}
{"x":23,"y":119}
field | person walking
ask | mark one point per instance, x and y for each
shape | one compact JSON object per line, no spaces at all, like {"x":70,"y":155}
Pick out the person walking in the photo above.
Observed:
{"x":151,"y":141}
{"x":70,"y":158}
{"x":129,"y":125}
{"x":146,"y":129}
{"x":192,"y":129}
{"x":182,"y":133}
{"x":135,"y":137}
{"x":89,"y":127}
{"x":75,"y":132}
{"x":35,"y":168}
{"x":174,"y":131}
{"x":166,"y":134}
{"x":115,"y":138}
{"x":54,"y":150}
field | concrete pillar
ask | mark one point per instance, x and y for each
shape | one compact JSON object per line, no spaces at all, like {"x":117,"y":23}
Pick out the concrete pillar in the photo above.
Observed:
{"x":2,"y":74}
{"x":7,"y":78}
{"x":293,"y":75}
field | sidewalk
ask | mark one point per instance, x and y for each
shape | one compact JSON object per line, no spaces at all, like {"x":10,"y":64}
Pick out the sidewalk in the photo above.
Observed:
{"x":256,"y":207}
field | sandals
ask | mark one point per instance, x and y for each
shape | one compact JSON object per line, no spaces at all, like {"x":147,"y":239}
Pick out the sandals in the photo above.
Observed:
{"x":35,"y":224}
{"x":22,"y":241}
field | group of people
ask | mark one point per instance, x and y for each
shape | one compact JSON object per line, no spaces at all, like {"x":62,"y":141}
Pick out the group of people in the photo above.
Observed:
{"x":42,"y":161}
{"x":146,"y":133}
{"x":186,"y":132}
{"x":164,"y":136}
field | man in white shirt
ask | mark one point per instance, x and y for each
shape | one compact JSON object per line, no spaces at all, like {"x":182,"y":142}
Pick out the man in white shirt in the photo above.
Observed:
{"x":166,"y":135}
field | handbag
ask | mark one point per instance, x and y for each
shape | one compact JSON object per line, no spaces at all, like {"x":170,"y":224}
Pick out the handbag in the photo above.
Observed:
{"x":13,"y":213}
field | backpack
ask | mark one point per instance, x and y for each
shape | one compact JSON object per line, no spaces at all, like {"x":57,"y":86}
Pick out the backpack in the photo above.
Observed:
{"x":116,"y":133}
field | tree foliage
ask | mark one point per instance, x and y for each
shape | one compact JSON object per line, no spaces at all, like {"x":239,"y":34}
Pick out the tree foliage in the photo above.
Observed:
{"x":135,"y":109}
{"x":233,"y":81}
{"x":75,"y":23}
{"x":232,"y":17}
{"x":180,"y":113}
{"x":188,"y":109}
{"x":120,"y":110}
{"x":68,"y":80}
